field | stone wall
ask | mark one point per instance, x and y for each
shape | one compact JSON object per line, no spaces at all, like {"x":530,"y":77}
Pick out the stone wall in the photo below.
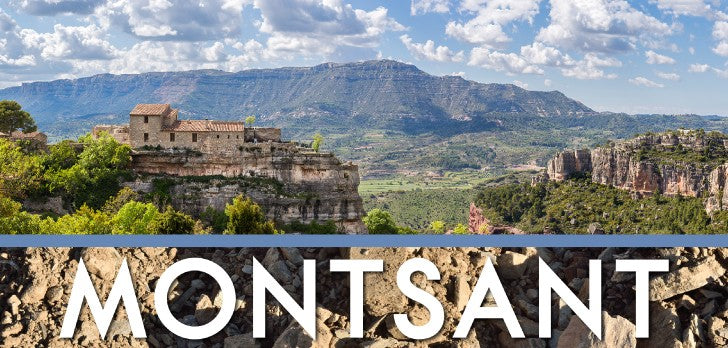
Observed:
{"x":290,"y":183}
{"x":118,"y":132}
{"x":261,"y":135}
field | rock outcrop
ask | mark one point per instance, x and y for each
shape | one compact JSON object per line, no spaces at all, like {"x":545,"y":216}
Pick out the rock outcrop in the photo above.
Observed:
{"x":289,"y":182}
{"x":688,"y":163}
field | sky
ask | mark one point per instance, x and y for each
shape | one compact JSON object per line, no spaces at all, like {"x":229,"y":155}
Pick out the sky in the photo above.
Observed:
{"x":652,"y":56}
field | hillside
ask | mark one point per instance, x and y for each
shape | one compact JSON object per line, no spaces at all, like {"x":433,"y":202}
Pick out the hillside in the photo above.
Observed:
{"x":382,"y":94}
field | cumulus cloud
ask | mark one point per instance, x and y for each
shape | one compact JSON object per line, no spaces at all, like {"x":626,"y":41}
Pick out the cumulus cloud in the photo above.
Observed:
{"x":179,"y":20}
{"x":642,"y":81}
{"x":590,"y":68}
{"x":520,"y":84}
{"x":656,"y":58}
{"x":510,"y":63}
{"x":428,"y":51}
{"x":54,"y":7}
{"x":547,"y":83}
{"x":668,"y":76}
{"x":720,"y":33}
{"x":700,"y":68}
{"x":684,"y":7}
{"x":486,"y":28}
{"x":427,"y":6}
{"x":538,"y":53}
{"x":86,"y":43}
{"x":309,"y":27}
{"x":606,"y":26}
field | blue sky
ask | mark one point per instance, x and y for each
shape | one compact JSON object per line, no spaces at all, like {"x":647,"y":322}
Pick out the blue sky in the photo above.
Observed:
{"x":653,"y":56}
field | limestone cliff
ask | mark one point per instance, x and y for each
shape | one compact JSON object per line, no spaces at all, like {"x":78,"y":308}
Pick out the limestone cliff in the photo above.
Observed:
{"x":289,"y":182}
{"x":689,"y":163}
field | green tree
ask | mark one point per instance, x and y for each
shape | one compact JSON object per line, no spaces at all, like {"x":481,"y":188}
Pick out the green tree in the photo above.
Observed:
{"x":246,"y":217}
{"x":172,"y":222}
{"x":134,"y":218}
{"x":20,"y":173}
{"x":318,"y":140}
{"x":460,"y":229}
{"x":380,"y":222}
{"x":438,"y":226}
{"x":13,"y":117}
{"x":250,"y":120}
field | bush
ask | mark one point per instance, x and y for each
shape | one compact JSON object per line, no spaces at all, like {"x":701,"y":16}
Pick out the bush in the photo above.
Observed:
{"x":380,"y":222}
{"x":172,"y":222}
{"x":246,"y":217}
{"x":134,"y":218}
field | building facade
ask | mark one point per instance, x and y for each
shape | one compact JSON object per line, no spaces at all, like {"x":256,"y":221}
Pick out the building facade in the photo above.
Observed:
{"x":157,"y":125}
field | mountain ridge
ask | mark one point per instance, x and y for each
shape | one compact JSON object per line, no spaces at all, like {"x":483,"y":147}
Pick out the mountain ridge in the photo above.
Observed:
{"x":381,"y":93}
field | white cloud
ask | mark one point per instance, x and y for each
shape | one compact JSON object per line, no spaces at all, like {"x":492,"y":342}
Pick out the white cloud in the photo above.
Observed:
{"x":459,"y":73}
{"x":85,"y":43}
{"x":691,"y":50}
{"x":54,"y":7}
{"x":684,"y":7}
{"x":427,"y":6}
{"x":668,"y":76}
{"x":701,"y":68}
{"x":656,"y":58}
{"x":428,"y":51}
{"x":641,"y":81}
{"x":510,"y":63}
{"x":324,"y":27}
{"x":720,"y":33}
{"x":179,"y":20}
{"x":486,"y":28}
{"x":520,"y":84}
{"x":589,"y":68}
{"x":600,"y":26}
{"x":538,"y":53}
{"x":547,"y":83}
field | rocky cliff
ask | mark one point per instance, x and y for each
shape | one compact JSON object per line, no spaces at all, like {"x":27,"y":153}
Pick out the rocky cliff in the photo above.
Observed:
{"x":688,"y":163}
{"x":289,"y":182}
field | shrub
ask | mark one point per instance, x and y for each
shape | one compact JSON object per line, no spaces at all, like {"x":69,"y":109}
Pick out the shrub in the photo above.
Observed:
{"x":246,"y":217}
{"x":172,"y":222}
{"x":380,"y":222}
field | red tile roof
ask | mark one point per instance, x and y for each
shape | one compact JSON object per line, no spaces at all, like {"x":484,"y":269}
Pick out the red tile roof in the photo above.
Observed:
{"x":206,"y":126}
{"x":21,"y":135}
{"x":150,"y":109}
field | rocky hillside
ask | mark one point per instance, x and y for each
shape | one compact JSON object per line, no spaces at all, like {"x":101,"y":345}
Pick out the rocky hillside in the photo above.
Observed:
{"x":688,"y":163}
{"x":292,"y":184}
{"x":687,"y":304}
{"x":384,"y":94}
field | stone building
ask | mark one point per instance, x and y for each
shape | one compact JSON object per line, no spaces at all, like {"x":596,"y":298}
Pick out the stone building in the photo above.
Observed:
{"x":157,"y":125}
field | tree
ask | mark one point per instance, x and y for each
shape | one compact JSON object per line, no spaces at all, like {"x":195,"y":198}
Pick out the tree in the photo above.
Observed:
{"x":380,"y":222}
{"x":460,"y":229}
{"x":133,"y":218}
{"x":438,"y":226}
{"x":246,"y":217}
{"x":318,"y":140}
{"x":13,"y":117}
{"x":250,"y":120}
{"x":172,"y":222}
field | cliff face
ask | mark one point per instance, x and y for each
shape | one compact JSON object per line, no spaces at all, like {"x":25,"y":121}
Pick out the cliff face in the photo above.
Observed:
{"x":290,"y":183}
{"x":688,"y":163}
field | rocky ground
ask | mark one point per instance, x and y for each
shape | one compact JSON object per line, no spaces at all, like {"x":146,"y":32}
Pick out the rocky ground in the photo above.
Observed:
{"x":688,"y":305}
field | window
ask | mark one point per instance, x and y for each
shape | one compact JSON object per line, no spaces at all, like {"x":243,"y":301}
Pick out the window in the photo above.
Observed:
{"x":194,"y":137}
{"x":218,"y":136}
{"x":228,"y":136}
{"x":171,"y":137}
{"x":237,"y":137}
{"x":146,"y":119}
{"x":146,"y":137}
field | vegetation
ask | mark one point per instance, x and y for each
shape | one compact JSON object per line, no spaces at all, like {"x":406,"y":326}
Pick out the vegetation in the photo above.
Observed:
{"x":13,"y":118}
{"x":318,"y":140}
{"x":250,"y":120}
{"x":246,"y":217}
{"x":571,"y":206}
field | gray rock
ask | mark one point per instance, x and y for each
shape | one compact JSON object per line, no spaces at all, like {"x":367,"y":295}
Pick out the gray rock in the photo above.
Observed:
{"x":685,"y":279}
{"x":617,"y":332}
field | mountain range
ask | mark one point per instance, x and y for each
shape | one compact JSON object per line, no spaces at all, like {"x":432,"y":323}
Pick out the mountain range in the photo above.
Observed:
{"x":381,"y":94}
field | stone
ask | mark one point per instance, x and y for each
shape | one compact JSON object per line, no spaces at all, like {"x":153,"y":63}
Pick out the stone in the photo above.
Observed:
{"x":616,"y":332}
{"x":204,"y":310}
{"x":294,"y":336}
{"x":462,"y":292}
{"x":512,"y":265}
{"x":35,"y":292}
{"x":378,"y":283}
{"x":685,"y":279}
{"x":102,"y":262}
{"x":665,"y":330}
{"x":293,"y":255}
{"x":54,"y":294}
{"x":237,"y":341}
{"x":14,"y":303}
{"x":279,"y":270}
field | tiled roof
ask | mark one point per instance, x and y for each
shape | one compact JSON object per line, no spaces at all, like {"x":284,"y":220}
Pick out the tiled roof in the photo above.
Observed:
{"x":150,"y":109}
{"x":205,"y":126}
